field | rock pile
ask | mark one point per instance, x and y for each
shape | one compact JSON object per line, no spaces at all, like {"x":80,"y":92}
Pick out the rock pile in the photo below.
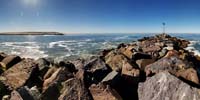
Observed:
{"x":153,"y":68}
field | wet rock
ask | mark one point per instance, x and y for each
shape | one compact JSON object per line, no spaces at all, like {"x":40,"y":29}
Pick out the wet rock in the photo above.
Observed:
{"x":189,"y":75}
{"x":9,"y":61}
{"x":100,"y":92}
{"x":142,"y":63}
{"x":74,"y":89}
{"x":164,"y":86}
{"x":20,"y":74}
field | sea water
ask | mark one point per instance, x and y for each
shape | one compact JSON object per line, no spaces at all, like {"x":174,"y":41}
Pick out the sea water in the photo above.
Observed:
{"x":72,"y":46}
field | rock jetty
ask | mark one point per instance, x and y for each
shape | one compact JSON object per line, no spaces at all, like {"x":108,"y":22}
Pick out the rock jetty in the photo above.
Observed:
{"x":153,"y":68}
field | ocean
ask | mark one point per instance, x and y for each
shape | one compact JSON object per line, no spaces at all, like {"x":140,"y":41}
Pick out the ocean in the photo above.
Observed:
{"x":72,"y":46}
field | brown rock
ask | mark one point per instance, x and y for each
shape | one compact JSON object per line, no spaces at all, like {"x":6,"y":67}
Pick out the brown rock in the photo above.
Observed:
{"x":115,"y":61}
{"x":9,"y":61}
{"x":2,"y":56}
{"x":151,"y":48}
{"x":142,"y":63}
{"x":74,"y":89}
{"x":189,"y":74}
{"x":60,"y":75}
{"x":19,"y":74}
{"x":100,"y":92}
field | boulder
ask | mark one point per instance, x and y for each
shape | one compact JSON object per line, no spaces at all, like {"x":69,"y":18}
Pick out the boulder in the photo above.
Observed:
{"x":74,"y":89}
{"x":60,"y":75}
{"x":100,"y":92}
{"x":97,"y":69}
{"x":130,"y":72}
{"x":24,"y":93}
{"x":189,"y":74}
{"x":43,"y":66}
{"x":115,"y":61}
{"x":9,"y":61}
{"x":52,"y":92}
{"x":171,"y":64}
{"x":112,"y":78}
{"x":2,"y":56}
{"x":142,"y":63}
{"x":164,"y":86}
{"x":139,"y":55}
{"x":20,"y":74}
{"x":151,"y":48}
{"x":78,"y":63}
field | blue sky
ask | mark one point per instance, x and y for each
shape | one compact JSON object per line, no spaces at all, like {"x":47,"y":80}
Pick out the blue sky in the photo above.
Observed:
{"x":100,"y":16}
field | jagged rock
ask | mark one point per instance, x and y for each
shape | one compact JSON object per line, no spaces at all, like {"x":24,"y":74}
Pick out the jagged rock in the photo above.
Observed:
{"x":111,"y":78}
{"x":142,"y":63}
{"x":3,"y":90}
{"x":20,"y":74}
{"x":139,"y":55}
{"x":50,"y":72}
{"x":74,"y":89}
{"x":78,"y":63}
{"x":100,"y":92}
{"x":151,"y":48}
{"x":60,"y":75}
{"x":97,"y":69}
{"x":43,"y":66}
{"x":171,"y":64}
{"x":115,"y":61}
{"x":9,"y":61}
{"x":130,"y":72}
{"x":164,"y":86}
{"x":189,"y":74}
{"x":16,"y":96}
{"x":127,"y":51}
{"x":2,"y":56}
{"x":52,"y":92}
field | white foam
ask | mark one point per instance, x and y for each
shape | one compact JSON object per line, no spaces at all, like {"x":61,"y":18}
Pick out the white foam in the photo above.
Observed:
{"x":24,"y":49}
{"x":191,"y":48}
{"x":121,"y":37}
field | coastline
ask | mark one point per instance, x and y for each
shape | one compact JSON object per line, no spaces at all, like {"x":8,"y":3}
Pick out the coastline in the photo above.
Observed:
{"x":31,"y":33}
{"x":133,"y":71}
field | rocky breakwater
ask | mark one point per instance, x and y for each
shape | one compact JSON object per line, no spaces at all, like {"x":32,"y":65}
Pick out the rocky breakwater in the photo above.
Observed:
{"x":153,"y":68}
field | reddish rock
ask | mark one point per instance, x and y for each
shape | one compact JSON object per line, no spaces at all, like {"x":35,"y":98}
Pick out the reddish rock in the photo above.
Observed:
{"x":100,"y":92}
{"x":19,"y":74}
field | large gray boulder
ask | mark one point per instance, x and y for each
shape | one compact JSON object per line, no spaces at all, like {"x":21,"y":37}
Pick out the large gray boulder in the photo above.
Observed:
{"x":164,"y":86}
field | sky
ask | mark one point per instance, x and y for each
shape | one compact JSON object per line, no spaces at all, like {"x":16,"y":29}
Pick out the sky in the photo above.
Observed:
{"x":100,"y":16}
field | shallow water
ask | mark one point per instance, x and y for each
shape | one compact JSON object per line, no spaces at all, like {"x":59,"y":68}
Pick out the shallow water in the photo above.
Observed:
{"x":73,"y":45}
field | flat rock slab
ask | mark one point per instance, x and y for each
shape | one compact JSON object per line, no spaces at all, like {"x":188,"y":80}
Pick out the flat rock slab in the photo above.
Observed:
{"x":164,"y":86}
{"x":19,"y":74}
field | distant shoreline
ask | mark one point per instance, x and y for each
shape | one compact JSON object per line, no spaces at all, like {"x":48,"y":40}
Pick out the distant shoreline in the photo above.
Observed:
{"x":31,"y":33}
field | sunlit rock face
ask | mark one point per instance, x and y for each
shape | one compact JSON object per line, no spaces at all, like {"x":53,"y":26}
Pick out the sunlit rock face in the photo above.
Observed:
{"x":164,"y":86}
